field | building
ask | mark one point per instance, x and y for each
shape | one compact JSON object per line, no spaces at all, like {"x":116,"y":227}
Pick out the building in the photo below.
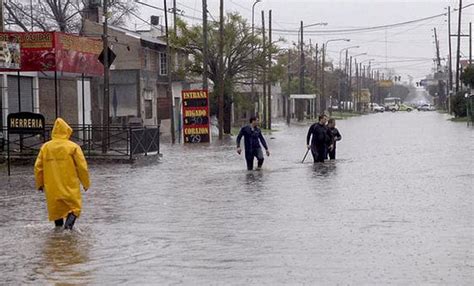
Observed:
{"x":138,"y":78}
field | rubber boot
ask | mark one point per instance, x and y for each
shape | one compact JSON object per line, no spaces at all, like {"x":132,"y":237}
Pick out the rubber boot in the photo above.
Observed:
{"x":59,"y":222}
{"x":70,"y":220}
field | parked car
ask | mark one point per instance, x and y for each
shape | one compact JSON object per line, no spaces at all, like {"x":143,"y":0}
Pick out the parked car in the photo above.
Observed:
{"x":404,"y":107}
{"x":426,"y":107}
{"x":374,"y":107}
{"x":392,"y":103}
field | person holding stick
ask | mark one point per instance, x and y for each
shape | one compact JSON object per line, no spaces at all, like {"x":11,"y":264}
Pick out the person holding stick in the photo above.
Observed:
{"x":320,"y":139}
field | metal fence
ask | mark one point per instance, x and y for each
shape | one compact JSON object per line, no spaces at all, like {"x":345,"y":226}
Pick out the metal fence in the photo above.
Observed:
{"x":96,"y":141}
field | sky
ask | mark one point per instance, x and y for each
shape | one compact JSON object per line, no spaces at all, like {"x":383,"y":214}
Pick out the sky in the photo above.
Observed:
{"x":408,"y":49}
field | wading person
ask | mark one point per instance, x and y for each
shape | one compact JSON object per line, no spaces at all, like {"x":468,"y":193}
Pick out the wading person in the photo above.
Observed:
{"x":60,"y":168}
{"x":335,"y":136}
{"x":320,"y":139}
{"x":252,"y":139}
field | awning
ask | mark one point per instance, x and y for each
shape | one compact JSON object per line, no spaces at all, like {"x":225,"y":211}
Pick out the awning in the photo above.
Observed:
{"x":302,"y":96}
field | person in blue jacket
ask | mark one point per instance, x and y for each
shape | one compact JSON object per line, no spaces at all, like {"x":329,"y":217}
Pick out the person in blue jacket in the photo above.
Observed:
{"x":252,"y":139}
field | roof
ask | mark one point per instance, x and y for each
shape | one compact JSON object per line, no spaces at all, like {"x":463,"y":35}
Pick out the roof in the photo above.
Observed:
{"x":140,"y":36}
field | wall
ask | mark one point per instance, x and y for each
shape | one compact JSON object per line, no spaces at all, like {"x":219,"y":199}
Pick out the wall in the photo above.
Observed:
{"x":67,"y":99}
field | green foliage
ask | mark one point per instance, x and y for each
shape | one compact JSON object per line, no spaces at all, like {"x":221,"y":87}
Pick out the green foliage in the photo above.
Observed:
{"x":458,"y":105}
{"x":239,"y":45}
{"x":294,"y":86}
{"x":467,"y":76}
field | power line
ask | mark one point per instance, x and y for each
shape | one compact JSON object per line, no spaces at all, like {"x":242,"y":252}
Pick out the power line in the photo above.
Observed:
{"x":365,"y":29}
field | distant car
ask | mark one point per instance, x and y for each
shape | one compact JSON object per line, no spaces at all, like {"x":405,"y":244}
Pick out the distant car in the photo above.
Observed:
{"x":392,"y":107}
{"x":426,"y":107}
{"x":404,"y":107}
{"x":376,"y":108}
{"x":399,"y":107}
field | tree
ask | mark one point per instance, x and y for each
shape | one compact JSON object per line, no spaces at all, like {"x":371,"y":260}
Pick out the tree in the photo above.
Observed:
{"x":467,"y":77}
{"x":56,"y":15}
{"x":238,"y":48}
{"x":458,"y":104}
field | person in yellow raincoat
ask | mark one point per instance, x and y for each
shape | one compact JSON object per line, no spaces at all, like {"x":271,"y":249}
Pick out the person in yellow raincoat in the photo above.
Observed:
{"x":60,"y":168}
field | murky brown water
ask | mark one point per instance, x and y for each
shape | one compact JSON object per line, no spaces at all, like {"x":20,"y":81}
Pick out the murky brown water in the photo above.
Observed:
{"x":395,"y":208}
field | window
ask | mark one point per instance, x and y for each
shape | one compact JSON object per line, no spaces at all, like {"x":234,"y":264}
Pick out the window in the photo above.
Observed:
{"x":163,"y":64}
{"x":148,"y":109}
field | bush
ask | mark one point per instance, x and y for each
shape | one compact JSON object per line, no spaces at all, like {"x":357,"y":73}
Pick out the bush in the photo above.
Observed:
{"x":458,"y":105}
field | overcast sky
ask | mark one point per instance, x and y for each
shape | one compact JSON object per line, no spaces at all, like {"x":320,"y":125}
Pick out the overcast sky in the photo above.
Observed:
{"x":409,"y":49}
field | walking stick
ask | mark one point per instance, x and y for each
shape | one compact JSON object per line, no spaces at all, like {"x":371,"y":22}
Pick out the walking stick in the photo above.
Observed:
{"x":305,"y":156}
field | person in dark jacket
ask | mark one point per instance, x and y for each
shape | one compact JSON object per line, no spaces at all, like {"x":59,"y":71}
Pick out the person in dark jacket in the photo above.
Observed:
{"x":335,"y":136}
{"x":252,"y":139}
{"x":320,"y":139}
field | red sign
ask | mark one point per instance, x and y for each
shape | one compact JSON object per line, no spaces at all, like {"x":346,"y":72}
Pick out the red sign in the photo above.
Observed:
{"x":196,"y":128}
{"x":54,"y":51}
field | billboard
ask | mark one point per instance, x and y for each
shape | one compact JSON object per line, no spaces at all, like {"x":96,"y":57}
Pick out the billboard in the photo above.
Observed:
{"x":196,"y":123}
{"x":363,"y":96}
{"x":385,"y":83}
{"x":54,"y":51}
{"x":10,"y":57}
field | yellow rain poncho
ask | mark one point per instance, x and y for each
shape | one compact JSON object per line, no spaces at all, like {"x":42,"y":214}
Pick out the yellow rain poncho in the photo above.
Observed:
{"x":59,"y":169}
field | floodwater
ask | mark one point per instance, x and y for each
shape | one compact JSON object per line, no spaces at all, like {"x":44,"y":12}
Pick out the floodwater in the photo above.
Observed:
{"x":395,"y":208}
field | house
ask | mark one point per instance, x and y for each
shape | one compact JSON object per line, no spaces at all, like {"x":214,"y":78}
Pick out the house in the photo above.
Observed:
{"x":253,"y":104}
{"x":138,"y":78}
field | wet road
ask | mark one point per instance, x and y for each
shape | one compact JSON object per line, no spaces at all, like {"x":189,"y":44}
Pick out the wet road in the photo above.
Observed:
{"x":395,"y":208}
{"x":419,"y":96}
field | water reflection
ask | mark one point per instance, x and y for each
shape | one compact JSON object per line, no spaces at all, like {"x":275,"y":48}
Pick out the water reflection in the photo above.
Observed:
{"x":394,"y":208}
{"x":254,"y":180}
{"x":325,"y":170}
{"x":64,"y":255}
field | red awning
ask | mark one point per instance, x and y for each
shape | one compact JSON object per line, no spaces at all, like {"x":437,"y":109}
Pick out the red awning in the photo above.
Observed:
{"x":55,"y":51}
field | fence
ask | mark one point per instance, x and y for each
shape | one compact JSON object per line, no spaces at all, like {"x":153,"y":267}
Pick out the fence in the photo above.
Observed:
{"x":96,"y":141}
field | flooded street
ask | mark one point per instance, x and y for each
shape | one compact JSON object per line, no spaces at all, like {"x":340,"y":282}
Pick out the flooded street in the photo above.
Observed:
{"x":395,"y":208}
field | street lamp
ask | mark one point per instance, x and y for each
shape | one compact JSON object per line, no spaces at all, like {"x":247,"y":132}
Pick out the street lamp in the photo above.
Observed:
{"x":345,"y":49}
{"x":367,"y":60}
{"x":310,"y":25}
{"x":323,"y":63}
{"x":362,"y":54}
{"x":339,"y":75}
{"x":253,"y":61}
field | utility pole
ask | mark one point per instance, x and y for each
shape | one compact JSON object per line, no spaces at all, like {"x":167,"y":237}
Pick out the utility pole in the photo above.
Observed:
{"x":356,"y":66}
{"x":441,"y":94}
{"x":346,"y":79}
{"x":458,"y":54}
{"x":221,"y":70}
{"x":174,"y":15}
{"x":205,"y":51}
{"x":300,"y":103}
{"x":350,"y":80}
{"x":252,"y":82}
{"x":438,"y":59}
{"x":316,"y":110}
{"x":322,"y":103}
{"x":269,"y":122}
{"x":470,"y":43}
{"x":450,"y":62}
{"x":105,"y":114}
{"x":264,"y":73}
{"x":288,"y":100}
{"x":168,"y":67}
{"x":1,"y":16}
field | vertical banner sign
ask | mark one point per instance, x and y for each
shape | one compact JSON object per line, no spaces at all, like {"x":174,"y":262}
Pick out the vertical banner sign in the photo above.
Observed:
{"x":196,"y":121}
